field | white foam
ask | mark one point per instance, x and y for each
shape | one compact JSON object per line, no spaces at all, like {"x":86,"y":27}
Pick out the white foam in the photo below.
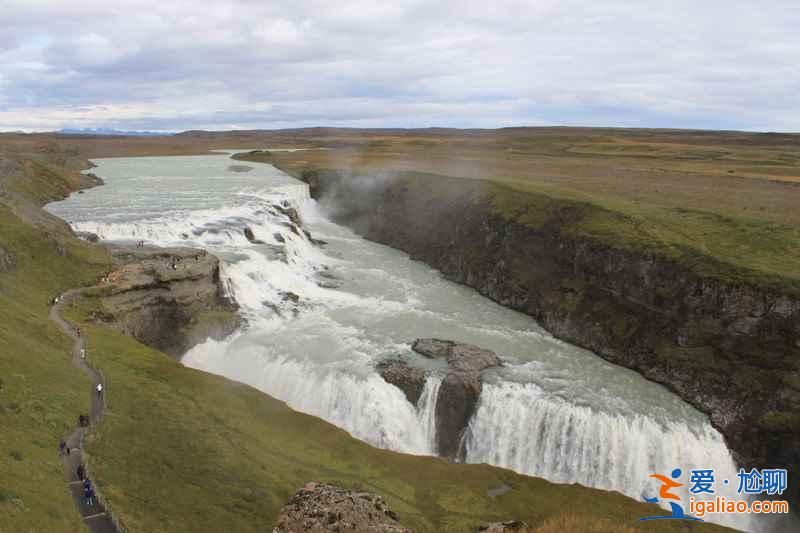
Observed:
{"x":521,"y":427}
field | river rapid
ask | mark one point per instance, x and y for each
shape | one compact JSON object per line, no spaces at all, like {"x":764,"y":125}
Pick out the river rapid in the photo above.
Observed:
{"x":319,"y":317}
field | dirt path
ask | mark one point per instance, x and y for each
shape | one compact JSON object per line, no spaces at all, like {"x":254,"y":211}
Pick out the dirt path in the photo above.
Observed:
{"x":94,"y":516}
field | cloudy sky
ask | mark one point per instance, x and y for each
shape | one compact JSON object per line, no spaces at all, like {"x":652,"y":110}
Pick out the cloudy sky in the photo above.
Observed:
{"x":180,"y":64}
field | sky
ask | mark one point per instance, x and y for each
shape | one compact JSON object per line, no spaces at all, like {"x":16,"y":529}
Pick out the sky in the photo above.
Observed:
{"x":171,"y":65}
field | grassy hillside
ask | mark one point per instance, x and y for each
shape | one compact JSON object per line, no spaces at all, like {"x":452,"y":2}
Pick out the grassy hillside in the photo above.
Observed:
{"x":41,"y":394}
{"x":181,"y":450}
{"x":723,"y":204}
{"x":201,"y":453}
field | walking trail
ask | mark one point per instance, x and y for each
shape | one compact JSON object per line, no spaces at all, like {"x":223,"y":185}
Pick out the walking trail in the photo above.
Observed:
{"x":95,"y":516}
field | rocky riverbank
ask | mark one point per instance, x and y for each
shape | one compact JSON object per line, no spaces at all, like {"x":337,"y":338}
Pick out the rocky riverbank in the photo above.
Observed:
{"x":728,"y":347}
{"x":167,"y":298}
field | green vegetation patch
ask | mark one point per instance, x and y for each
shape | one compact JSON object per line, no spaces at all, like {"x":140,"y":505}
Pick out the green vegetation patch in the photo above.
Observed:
{"x":180,"y":449}
{"x":41,"y":394}
{"x":733,"y":249}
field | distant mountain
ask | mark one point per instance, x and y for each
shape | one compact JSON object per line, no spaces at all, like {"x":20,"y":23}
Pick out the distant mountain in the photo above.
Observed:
{"x":110,"y":131}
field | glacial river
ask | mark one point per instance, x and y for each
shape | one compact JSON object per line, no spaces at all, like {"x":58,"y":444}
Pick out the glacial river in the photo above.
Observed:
{"x":554,"y":410}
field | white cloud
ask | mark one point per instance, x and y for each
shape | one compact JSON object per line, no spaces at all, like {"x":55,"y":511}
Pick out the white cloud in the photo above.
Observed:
{"x":731,"y":64}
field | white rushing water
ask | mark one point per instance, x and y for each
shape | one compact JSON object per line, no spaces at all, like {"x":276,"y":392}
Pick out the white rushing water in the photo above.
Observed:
{"x":320,"y":317}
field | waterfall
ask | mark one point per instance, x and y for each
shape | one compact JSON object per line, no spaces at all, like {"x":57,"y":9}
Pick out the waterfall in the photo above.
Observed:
{"x":426,"y":410}
{"x":521,"y":427}
{"x":564,"y":415}
{"x":352,"y":398}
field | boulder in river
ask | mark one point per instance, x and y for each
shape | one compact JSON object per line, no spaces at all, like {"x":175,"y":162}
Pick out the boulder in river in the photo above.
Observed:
{"x":459,"y":392}
{"x":459,"y":356}
{"x":291,"y":213}
{"x":319,"y":507}
{"x":460,"y":389}
{"x":409,"y":379}
{"x":250,"y":236}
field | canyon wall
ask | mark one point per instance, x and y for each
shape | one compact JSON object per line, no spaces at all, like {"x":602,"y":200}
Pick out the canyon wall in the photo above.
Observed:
{"x":729,"y":348}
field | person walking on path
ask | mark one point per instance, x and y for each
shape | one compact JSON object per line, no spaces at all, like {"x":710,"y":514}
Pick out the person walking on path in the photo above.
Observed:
{"x":96,"y":517}
{"x":62,"y":448}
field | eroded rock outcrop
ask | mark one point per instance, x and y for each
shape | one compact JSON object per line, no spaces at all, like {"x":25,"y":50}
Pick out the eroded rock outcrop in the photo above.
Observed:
{"x":167,"y":298}
{"x":407,"y":378}
{"x":458,"y":394}
{"x":459,"y":391}
{"x":319,"y":507}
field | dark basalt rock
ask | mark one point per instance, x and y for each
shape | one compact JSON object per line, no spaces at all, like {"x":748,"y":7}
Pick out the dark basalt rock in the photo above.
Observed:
{"x":460,"y":389}
{"x":250,"y":236}
{"x":290,"y":296}
{"x":319,"y":508}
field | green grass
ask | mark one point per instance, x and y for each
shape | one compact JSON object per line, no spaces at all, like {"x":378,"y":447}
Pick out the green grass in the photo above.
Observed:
{"x":735,"y":249}
{"x":202,"y":453}
{"x":41,"y":394}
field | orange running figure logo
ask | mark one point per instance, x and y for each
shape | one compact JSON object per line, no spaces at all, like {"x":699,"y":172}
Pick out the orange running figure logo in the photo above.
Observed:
{"x":664,"y":493}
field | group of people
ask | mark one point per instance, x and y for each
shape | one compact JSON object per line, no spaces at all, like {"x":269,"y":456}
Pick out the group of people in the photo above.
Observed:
{"x":83,"y":421}
{"x":140,"y":244}
{"x":88,"y":490}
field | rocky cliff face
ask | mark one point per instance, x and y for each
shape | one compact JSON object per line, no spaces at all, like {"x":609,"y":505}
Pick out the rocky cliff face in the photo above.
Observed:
{"x":318,"y":507}
{"x":458,"y":394}
{"x":167,"y":298}
{"x":728,"y":348}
